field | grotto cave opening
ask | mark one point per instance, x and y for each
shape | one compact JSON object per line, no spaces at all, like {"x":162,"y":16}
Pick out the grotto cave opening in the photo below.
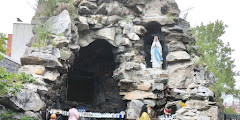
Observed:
{"x":90,"y":83}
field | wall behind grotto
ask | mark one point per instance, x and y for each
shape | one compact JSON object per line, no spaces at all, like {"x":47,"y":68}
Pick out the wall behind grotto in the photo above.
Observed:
{"x":127,"y":25}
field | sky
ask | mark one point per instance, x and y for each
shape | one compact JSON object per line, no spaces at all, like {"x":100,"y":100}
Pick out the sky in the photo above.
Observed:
{"x":201,"y":11}
{"x":11,"y":9}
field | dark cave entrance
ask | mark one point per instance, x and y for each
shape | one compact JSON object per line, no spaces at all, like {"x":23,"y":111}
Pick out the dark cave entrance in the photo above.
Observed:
{"x":90,"y":82}
{"x":154,"y":29}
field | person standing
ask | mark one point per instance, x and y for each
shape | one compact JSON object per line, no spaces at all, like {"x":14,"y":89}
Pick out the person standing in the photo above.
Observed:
{"x":73,"y":114}
{"x":144,"y":113}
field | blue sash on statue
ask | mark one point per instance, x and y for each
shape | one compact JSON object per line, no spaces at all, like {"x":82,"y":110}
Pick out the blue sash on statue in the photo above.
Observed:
{"x":156,"y":54}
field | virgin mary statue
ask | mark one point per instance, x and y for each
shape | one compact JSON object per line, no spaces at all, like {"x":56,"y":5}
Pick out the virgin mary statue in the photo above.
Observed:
{"x":156,"y":53}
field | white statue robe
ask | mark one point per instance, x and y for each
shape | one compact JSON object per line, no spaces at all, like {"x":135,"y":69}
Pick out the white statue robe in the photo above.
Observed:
{"x":156,"y":62}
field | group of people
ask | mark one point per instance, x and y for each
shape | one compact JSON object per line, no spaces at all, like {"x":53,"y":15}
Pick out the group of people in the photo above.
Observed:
{"x":72,"y":114}
{"x":145,"y":113}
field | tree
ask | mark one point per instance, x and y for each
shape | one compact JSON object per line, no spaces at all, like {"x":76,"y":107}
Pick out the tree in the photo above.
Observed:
{"x":230,"y":110}
{"x":3,"y":44}
{"x":217,"y":57}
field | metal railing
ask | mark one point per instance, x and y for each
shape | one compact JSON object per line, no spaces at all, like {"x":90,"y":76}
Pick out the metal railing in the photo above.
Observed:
{"x":223,"y":116}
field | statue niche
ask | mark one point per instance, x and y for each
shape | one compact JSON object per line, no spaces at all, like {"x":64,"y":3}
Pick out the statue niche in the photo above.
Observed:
{"x":155,"y":47}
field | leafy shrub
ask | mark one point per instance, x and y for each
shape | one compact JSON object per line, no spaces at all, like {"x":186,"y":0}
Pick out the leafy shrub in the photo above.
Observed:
{"x":43,"y":35}
{"x":7,"y":115}
{"x":11,"y":83}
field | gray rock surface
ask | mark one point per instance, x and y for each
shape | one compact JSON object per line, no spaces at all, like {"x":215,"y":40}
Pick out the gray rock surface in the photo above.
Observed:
{"x":61,"y":41}
{"x":176,"y":46}
{"x":40,"y":58}
{"x":60,"y":24}
{"x":181,"y":75}
{"x":133,"y":36}
{"x":51,"y":75}
{"x":32,"y":69}
{"x":178,"y":56}
{"x":136,"y":105}
{"x":28,"y":101}
{"x":140,"y":30}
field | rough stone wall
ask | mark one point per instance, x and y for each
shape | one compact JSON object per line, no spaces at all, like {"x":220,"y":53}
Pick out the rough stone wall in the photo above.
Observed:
{"x":9,"y":64}
{"x":124,"y":24}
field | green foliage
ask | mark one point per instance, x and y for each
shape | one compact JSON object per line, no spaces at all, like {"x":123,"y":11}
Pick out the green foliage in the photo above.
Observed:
{"x":43,"y":35}
{"x":190,"y":48}
{"x":7,"y":115}
{"x":170,"y":16}
{"x":64,"y":54}
{"x":27,"y":118}
{"x":3,"y":44}
{"x":127,"y":19}
{"x":46,"y":8}
{"x":230,"y":110}
{"x":25,"y":78}
{"x":217,"y":57}
{"x":11,"y":83}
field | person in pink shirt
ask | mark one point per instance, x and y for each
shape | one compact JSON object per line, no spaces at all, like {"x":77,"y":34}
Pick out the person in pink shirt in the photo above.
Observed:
{"x":73,"y":114}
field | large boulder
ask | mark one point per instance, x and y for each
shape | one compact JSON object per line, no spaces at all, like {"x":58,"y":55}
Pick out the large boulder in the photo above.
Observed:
{"x":201,"y":92}
{"x":82,"y":23}
{"x":180,"y":75}
{"x":34,"y":115}
{"x":163,"y":20}
{"x":107,"y":34}
{"x":51,"y":75}
{"x":140,"y":30}
{"x":84,"y":10}
{"x":60,"y":41}
{"x":178,"y":56}
{"x":88,"y":4}
{"x":132,"y":3}
{"x":32,"y":69}
{"x":145,"y":86}
{"x":134,"y":95}
{"x":25,"y":100}
{"x":35,"y":87}
{"x":197,"y":104}
{"x":45,"y":57}
{"x":120,"y":40}
{"x":133,"y":36}
{"x":114,"y":8}
{"x":182,"y":37}
{"x":151,"y":103}
{"x":60,"y":24}
{"x":176,"y":46}
{"x":153,"y":8}
{"x":170,"y":7}
{"x":135,"y":106}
